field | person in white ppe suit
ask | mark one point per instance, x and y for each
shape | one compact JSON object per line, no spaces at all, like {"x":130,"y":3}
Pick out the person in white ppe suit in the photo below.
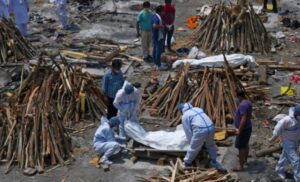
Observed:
{"x":4,"y":9}
{"x":289,"y":130}
{"x":127,"y":101}
{"x":199,"y":130}
{"x":104,"y":141}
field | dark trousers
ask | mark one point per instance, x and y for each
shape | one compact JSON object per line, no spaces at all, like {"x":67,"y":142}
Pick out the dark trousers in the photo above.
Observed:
{"x":157,"y":50}
{"x":168,"y":34}
{"x":274,"y":2}
{"x":111,"y":110}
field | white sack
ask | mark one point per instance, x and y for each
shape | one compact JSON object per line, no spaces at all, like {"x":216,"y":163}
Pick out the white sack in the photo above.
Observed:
{"x":234,"y":60}
{"x":161,"y":140}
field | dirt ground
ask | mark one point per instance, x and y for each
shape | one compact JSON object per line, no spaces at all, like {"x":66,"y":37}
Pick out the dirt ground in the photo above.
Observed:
{"x":120,"y":26}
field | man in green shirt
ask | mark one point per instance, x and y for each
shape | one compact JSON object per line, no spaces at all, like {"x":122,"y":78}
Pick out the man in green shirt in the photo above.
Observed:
{"x":144,"y":28}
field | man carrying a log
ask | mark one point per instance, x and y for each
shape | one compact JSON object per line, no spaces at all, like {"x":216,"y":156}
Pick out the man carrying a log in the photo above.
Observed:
{"x":112,"y":82}
{"x":3,"y":10}
{"x":242,"y":122}
{"x":104,"y":141}
{"x":127,"y":102}
{"x":20,"y":9}
{"x":199,"y":129}
{"x":143,"y":29}
{"x":288,"y":128}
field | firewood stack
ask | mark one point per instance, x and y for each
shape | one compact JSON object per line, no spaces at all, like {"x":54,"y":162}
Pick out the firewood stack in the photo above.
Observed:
{"x":190,"y":174}
{"x":228,"y":29}
{"x":13,"y":47}
{"x":214,"y":91}
{"x":32,"y":127}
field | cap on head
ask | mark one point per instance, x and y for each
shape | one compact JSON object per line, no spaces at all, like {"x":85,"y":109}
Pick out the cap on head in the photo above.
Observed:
{"x":297,"y":110}
{"x":114,"y":121}
{"x":168,"y":1}
{"x":184,"y":107}
{"x":128,"y":89}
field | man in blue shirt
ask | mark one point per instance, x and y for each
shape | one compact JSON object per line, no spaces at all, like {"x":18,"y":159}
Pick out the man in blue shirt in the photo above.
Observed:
{"x":242,"y":122}
{"x":112,"y":81}
{"x":143,"y":25}
{"x":20,"y":9}
{"x":158,"y":37}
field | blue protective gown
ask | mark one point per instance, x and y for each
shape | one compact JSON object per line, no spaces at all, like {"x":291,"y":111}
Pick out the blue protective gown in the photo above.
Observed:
{"x":199,"y":130}
{"x":104,"y":141}
{"x":3,"y":10}
{"x":61,"y":10}
{"x":20,"y":10}
{"x":289,"y":130}
{"x":127,"y":106}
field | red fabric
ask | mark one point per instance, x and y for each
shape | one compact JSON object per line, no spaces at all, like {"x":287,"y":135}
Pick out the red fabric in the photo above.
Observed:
{"x":168,"y":9}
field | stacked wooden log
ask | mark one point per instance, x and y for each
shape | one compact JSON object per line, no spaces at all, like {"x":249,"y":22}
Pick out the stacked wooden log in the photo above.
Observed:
{"x":214,"y":91}
{"x":13,"y":47}
{"x":32,"y":129}
{"x":180,"y":174}
{"x":231,"y":29}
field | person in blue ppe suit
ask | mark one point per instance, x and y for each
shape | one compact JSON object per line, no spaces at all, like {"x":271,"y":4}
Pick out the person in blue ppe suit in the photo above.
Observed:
{"x":61,"y":10}
{"x":127,"y":102}
{"x":3,"y":10}
{"x":288,"y":128}
{"x":104,"y":141}
{"x":20,"y":9}
{"x":198,"y":129}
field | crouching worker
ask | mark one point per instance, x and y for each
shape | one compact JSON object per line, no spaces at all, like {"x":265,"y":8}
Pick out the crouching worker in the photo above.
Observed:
{"x":289,"y":130}
{"x":104,"y":140}
{"x":127,"y":102}
{"x":198,"y":129}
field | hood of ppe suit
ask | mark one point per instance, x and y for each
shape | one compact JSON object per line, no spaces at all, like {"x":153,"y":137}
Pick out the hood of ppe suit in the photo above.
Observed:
{"x":114,"y":121}
{"x":297,"y":110}
{"x":185,"y":107}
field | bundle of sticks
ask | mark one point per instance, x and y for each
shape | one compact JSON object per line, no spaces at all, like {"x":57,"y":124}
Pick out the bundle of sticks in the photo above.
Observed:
{"x":236,"y":28}
{"x":32,"y":127}
{"x":213,"y":91}
{"x":190,"y":174}
{"x":13,"y":47}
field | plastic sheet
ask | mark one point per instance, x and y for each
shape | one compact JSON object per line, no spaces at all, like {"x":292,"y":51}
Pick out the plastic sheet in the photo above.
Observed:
{"x":161,"y":140}
{"x":234,"y":60}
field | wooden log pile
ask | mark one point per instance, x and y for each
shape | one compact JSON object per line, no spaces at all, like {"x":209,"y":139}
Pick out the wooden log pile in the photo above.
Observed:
{"x":214,"y":91}
{"x":232,"y":28}
{"x":13,"y":47}
{"x":32,"y":127}
{"x":190,"y":174}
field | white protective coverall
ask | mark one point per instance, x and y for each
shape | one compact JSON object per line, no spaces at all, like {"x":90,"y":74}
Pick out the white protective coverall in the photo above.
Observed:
{"x":199,"y":129}
{"x":104,"y":141}
{"x":127,"y":106}
{"x":289,"y":130}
